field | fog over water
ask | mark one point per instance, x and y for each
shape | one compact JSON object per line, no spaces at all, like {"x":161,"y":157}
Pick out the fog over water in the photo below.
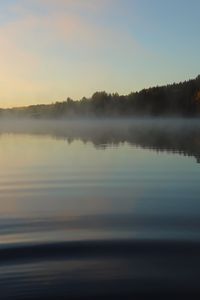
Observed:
{"x":176,"y":135}
{"x":109,"y":206}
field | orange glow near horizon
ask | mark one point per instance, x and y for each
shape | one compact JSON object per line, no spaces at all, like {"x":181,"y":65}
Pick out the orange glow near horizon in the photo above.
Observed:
{"x":51,"y":50}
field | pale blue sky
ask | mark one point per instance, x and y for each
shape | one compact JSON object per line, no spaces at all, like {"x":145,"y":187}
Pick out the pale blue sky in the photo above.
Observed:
{"x":52,"y":49}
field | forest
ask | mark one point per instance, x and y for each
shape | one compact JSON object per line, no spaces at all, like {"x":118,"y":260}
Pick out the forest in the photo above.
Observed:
{"x":177,"y":99}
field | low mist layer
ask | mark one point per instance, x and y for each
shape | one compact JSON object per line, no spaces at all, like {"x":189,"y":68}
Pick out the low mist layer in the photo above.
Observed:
{"x":175,"y":135}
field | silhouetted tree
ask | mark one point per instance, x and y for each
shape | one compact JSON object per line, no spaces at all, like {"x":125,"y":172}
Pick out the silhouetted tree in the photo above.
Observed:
{"x":181,"y":99}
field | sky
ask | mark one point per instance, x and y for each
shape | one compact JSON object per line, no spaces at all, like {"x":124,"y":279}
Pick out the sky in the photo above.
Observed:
{"x":54,"y":49}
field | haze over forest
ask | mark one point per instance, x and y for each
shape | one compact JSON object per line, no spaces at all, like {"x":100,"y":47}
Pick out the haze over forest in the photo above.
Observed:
{"x":178,"y":99}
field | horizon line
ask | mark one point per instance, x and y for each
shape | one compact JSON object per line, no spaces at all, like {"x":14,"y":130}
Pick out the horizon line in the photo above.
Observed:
{"x":52,"y":103}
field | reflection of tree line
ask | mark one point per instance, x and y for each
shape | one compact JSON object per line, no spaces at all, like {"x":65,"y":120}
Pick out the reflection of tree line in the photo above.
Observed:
{"x":183,"y":141}
{"x":181,"y":99}
{"x":179,"y":136}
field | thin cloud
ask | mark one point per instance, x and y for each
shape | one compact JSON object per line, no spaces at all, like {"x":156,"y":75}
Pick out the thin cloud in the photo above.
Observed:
{"x":68,"y":26}
{"x":41,"y":46}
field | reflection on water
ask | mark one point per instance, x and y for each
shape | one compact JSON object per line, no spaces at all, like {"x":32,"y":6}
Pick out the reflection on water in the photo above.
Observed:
{"x":173,"y":135}
{"x":90,"y":205}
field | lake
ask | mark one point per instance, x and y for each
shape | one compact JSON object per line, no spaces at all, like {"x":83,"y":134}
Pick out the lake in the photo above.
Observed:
{"x":99,"y":208}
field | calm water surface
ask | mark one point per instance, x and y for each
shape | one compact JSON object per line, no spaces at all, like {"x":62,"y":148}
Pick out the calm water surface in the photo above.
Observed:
{"x":83,"y":218}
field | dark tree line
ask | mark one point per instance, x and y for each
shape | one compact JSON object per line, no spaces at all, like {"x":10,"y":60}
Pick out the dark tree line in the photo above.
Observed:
{"x":182,"y":99}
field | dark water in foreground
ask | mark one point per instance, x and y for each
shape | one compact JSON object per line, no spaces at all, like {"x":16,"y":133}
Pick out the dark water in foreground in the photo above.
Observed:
{"x":96,"y":211}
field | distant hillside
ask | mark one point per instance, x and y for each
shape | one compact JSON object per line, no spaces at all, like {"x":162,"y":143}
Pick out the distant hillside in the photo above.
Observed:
{"x":182,"y":99}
